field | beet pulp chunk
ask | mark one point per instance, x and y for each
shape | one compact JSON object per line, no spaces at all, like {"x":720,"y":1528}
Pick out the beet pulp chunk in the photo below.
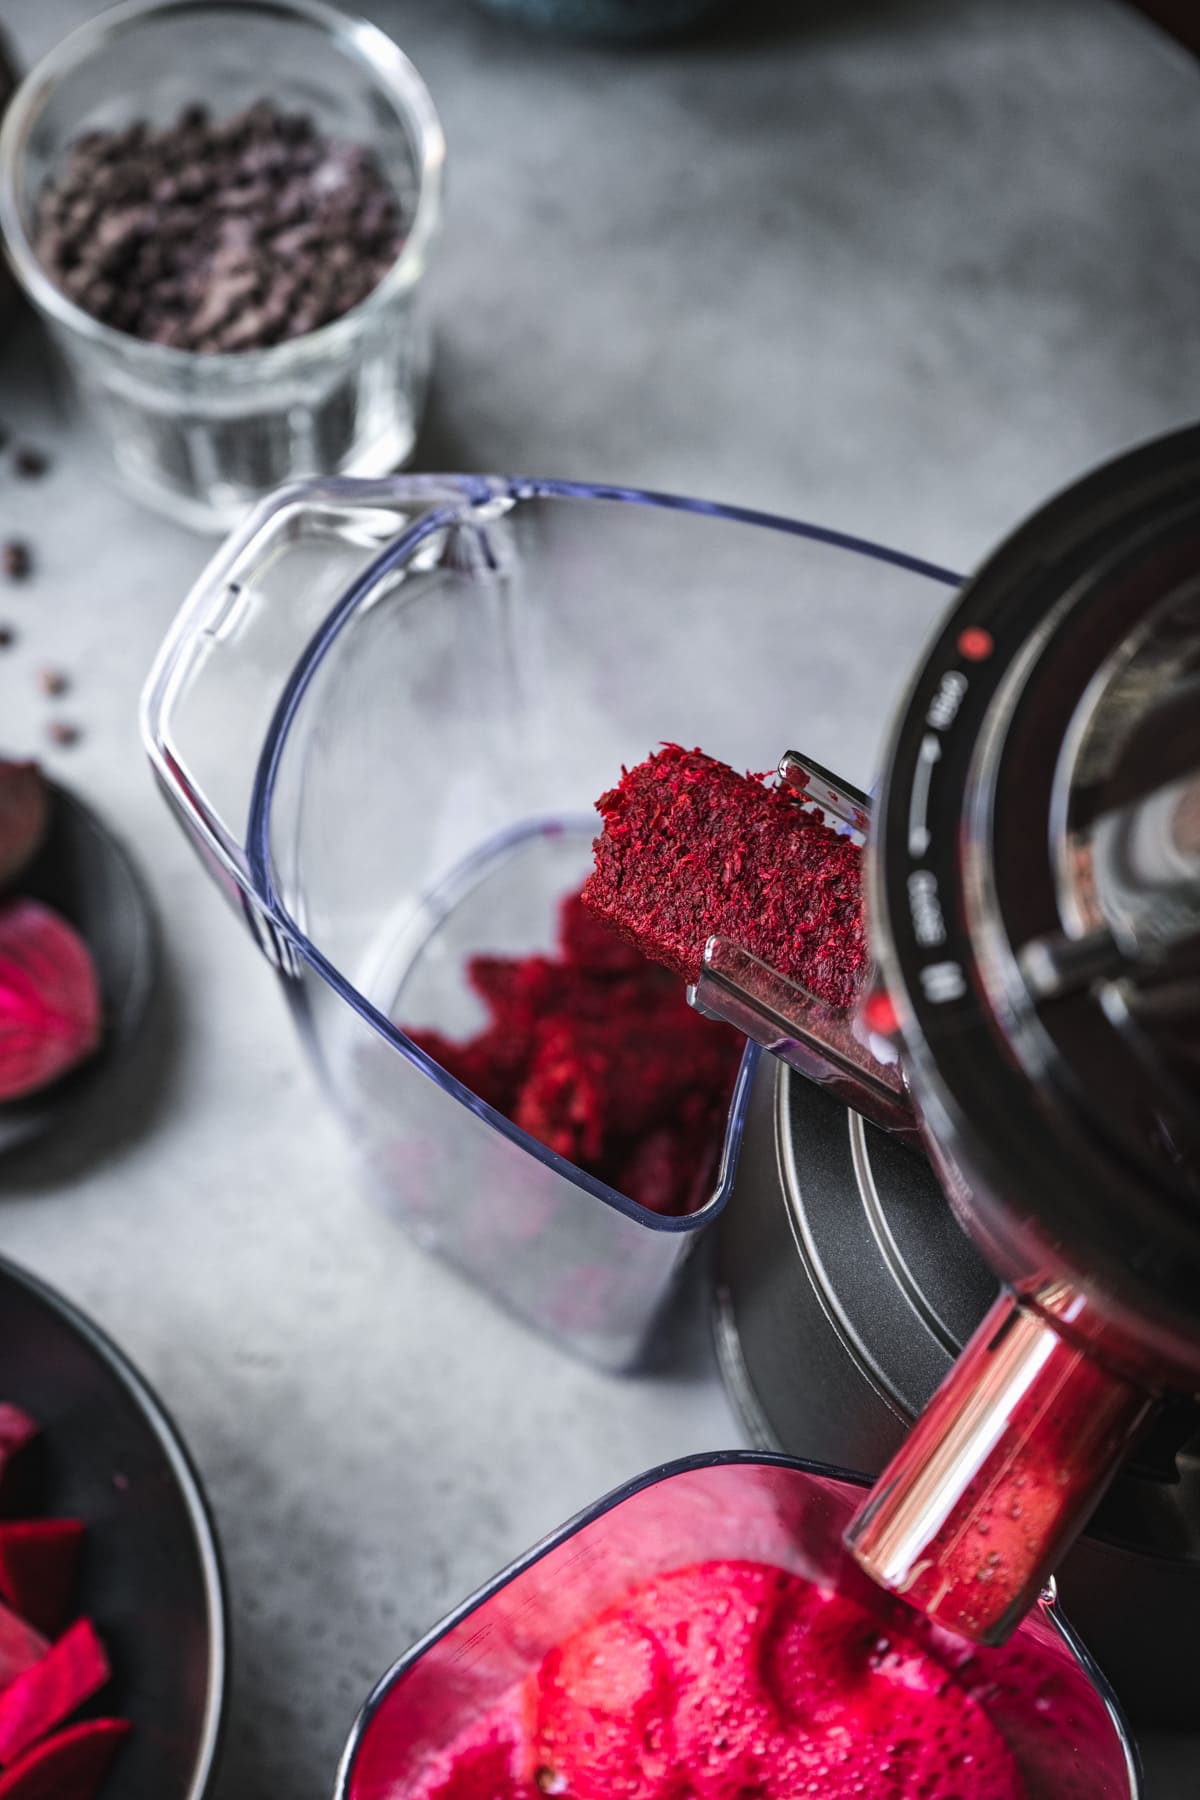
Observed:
{"x":691,"y":849}
{"x":596,"y":1054}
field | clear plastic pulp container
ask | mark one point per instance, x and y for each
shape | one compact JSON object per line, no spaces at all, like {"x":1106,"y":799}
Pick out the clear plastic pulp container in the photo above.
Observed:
{"x":384,"y":715}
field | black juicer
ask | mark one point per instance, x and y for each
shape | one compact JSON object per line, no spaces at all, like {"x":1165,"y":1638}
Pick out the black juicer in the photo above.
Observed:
{"x":1034,"y":914}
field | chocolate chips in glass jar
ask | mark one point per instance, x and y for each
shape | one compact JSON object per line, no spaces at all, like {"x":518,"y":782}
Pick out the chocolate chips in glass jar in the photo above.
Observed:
{"x":219,"y":236}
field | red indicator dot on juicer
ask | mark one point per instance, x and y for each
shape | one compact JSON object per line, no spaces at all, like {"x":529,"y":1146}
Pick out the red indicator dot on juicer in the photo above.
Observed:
{"x":975,"y":644}
{"x":879,"y":1013}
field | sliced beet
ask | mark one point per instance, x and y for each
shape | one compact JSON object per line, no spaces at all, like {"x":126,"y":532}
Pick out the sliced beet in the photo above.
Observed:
{"x":20,"y":1438}
{"x":39,"y":1560}
{"x":21,"y":1645}
{"x":71,"y":1671}
{"x":71,"y":1765}
{"x":49,"y":998}
{"x":17,"y":1428}
{"x":24,"y":816}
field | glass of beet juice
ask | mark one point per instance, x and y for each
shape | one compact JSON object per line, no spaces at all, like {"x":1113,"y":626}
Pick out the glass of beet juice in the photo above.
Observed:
{"x":700,"y":1632}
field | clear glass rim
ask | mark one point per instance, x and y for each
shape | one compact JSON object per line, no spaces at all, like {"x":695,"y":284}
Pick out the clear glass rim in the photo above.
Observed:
{"x":395,"y":75}
{"x":1047,"y":1602}
{"x":477,"y":490}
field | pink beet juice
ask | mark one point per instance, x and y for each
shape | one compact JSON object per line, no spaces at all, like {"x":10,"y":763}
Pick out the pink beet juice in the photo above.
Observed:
{"x":702,"y":1635}
{"x":732,"y":1681}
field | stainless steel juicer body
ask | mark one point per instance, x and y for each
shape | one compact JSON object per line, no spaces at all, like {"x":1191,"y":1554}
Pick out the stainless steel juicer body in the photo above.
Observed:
{"x":1039,"y":974}
{"x":1034,"y":912}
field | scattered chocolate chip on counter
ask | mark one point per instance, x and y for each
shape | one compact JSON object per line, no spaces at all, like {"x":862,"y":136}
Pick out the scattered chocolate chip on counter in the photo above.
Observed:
{"x":17,"y":564}
{"x":16,"y":559}
{"x":29,"y":463}
{"x":219,"y":236}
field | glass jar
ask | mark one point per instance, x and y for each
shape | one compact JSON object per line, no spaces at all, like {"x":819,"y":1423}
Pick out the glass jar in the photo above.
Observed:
{"x":202,"y":436}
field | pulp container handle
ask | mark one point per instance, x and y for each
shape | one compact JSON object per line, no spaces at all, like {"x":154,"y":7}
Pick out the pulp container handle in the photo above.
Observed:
{"x":224,"y":668}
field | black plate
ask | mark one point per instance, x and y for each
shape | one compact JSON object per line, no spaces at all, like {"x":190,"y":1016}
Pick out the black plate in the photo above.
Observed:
{"x":151,"y":1575}
{"x":87,"y":876}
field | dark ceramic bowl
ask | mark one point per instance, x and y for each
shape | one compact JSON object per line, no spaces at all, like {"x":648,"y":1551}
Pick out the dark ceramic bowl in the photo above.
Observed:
{"x":627,"y":19}
{"x":151,"y":1576}
{"x":85,"y":874}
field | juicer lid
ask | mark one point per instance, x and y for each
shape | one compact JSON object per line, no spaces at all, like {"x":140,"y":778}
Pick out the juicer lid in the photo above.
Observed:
{"x":1035,"y":898}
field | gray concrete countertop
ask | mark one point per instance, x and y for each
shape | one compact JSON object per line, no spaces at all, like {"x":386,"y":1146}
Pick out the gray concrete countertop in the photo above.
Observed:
{"x":902,"y":268}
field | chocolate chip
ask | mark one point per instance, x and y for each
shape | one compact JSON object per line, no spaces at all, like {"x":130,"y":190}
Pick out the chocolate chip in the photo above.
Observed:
{"x":243,"y":333}
{"x":61,"y":731}
{"x":172,"y":334}
{"x":18,"y":563}
{"x":8,"y":637}
{"x":177,"y":235}
{"x":53,"y":681}
{"x":29,"y":463}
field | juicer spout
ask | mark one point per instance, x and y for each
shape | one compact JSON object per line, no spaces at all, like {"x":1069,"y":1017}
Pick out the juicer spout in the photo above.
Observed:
{"x":832,"y":1046}
{"x":1001,"y":1472}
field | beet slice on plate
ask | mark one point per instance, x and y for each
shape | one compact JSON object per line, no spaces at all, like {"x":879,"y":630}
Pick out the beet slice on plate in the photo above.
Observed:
{"x":71,"y":1671}
{"x":16,"y":1429}
{"x":20,"y":1646}
{"x":18,"y":1471}
{"x":24,"y":816}
{"x":39,"y":1561}
{"x":71,"y":1765}
{"x":50,"y":1002}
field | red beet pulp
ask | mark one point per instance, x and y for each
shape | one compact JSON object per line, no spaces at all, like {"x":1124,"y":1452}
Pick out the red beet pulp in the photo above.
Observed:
{"x":691,"y":849}
{"x":597,"y":1055}
{"x":728,"y":1680}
